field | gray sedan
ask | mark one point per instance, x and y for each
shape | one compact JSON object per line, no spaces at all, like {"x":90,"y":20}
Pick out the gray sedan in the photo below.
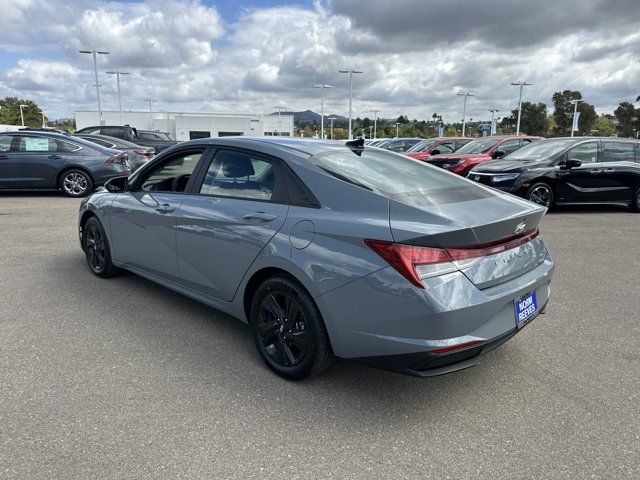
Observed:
{"x":328,"y":249}
{"x":137,"y":155}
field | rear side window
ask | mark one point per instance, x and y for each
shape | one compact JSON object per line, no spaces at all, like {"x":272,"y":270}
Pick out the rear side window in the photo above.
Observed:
{"x":5,"y":143}
{"x":68,"y":147}
{"x":617,"y":152}
{"x":241,"y":175}
{"x":113,"y":132}
{"x":37,"y":144}
{"x":99,"y":141}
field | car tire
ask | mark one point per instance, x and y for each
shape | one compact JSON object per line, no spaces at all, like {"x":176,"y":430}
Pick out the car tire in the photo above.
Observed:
{"x":75,"y":183}
{"x":96,"y":249}
{"x":541,"y":193}
{"x":288,"y":329}
{"x":635,"y":203}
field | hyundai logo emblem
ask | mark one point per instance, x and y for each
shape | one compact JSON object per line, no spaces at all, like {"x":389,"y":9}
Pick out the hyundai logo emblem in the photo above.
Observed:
{"x":520,"y":228}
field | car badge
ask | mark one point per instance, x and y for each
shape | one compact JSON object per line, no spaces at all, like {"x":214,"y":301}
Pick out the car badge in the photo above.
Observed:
{"x":520,"y":228}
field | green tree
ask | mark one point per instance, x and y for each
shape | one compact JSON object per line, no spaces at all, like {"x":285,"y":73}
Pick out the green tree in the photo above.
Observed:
{"x":533,"y":120}
{"x":627,"y":116}
{"x":603,"y":126}
{"x":563,"y":113}
{"x":10,"y":112}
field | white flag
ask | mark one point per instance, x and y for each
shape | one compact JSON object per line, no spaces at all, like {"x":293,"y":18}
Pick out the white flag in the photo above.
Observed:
{"x":574,"y":128}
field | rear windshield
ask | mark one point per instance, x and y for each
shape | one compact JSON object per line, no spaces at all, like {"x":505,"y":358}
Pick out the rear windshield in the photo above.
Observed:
{"x":422,"y":145}
{"x":387,"y":173}
{"x":481,"y":145}
{"x":539,"y":151}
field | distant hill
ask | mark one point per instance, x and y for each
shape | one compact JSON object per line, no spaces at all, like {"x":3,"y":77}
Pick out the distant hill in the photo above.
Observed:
{"x":309,"y":116}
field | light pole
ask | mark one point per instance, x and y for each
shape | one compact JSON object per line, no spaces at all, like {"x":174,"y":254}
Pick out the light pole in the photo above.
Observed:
{"x":574,"y":124}
{"x":464,"y":110}
{"x":22,"y":114}
{"x":44,"y":123}
{"x":331,"y":119}
{"x":117,"y":73}
{"x":521,"y":85}
{"x":375,"y":122}
{"x":370,"y":131}
{"x":150,"y":100}
{"x":322,"y":87}
{"x":95,"y":53}
{"x":493,"y":122}
{"x":397,"y":127}
{"x":350,"y":71}
{"x":280,"y":108}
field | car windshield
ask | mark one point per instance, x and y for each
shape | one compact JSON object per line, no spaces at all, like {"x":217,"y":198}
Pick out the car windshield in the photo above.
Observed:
{"x":387,"y":173}
{"x":422,"y":146}
{"x":481,"y":145}
{"x":538,"y":151}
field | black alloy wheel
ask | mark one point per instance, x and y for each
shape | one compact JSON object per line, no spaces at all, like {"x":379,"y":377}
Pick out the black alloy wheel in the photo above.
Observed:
{"x":288,"y":329}
{"x":541,"y":193}
{"x":96,"y":249}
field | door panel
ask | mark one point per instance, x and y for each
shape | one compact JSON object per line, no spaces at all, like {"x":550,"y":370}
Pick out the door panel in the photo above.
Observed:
{"x":225,"y":226}
{"x":621,"y":175}
{"x":33,"y":163}
{"x":583,"y":183}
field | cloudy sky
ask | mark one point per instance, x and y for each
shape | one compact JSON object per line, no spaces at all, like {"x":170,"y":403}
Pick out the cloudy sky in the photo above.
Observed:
{"x":248,"y":56}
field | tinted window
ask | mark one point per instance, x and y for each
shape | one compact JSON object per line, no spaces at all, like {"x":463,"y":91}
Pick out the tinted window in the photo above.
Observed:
{"x":5,"y":143}
{"x":149,"y":136}
{"x":460,"y":143}
{"x":446,"y":147}
{"x":173,"y":175}
{"x":418,"y":147}
{"x":375,"y":171}
{"x":99,"y":141}
{"x":37,"y":144}
{"x":113,"y":132}
{"x":481,"y":145}
{"x":617,"y":152}
{"x":90,"y":131}
{"x":586,"y":153}
{"x":239,"y":174}
{"x":508,"y":146}
{"x":68,"y":147}
{"x":541,"y":150}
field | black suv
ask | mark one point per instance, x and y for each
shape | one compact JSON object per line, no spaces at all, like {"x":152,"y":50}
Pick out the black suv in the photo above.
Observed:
{"x":569,"y":170}
{"x":148,"y":138}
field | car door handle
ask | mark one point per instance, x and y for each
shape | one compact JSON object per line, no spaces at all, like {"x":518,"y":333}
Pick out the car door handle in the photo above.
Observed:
{"x":263,"y":217}
{"x":54,"y":157}
{"x":165,"y":208}
{"x":594,"y":171}
{"x":609,"y":170}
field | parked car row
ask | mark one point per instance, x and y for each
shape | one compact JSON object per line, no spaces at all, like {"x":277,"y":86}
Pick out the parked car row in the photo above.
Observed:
{"x":158,"y":140}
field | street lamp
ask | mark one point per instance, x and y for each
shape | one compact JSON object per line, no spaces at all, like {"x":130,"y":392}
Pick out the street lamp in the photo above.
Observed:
{"x":117,"y":73}
{"x":350,"y":71}
{"x":493,"y":124}
{"x":280,"y":108}
{"x":397,"y":127}
{"x":44,"y":123}
{"x":375,"y":122}
{"x":150,"y":100}
{"x":464,"y":111}
{"x":521,"y":85}
{"x":574,"y":124}
{"x":95,"y":52}
{"x":22,"y":114}
{"x":331,"y":119}
{"x":322,"y":87}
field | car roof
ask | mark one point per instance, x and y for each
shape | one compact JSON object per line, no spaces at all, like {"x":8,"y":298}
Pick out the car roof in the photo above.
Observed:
{"x":116,"y":141}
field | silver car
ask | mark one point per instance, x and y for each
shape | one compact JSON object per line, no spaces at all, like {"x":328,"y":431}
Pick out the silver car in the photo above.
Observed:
{"x":328,"y":249}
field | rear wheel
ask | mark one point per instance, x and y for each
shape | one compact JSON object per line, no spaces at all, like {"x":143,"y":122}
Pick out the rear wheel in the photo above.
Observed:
{"x":96,"y":249}
{"x":541,"y":193}
{"x":76,"y":183}
{"x":288,"y":329}
{"x":635,"y":203}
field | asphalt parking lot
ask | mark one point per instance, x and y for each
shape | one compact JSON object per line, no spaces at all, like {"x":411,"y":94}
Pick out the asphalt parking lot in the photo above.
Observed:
{"x":125,"y":379}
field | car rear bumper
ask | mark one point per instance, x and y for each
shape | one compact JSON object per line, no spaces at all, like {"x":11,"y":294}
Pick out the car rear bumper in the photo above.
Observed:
{"x":383,"y":320}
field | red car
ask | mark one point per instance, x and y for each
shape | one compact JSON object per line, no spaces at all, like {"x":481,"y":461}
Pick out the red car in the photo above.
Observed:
{"x":480,"y":150}
{"x":434,"y":146}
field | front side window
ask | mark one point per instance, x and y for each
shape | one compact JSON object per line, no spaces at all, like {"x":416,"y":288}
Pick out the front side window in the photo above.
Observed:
{"x":539,"y":151}
{"x":446,"y":147}
{"x":5,"y":143}
{"x":422,"y":146}
{"x":508,"y":146}
{"x":239,"y":174}
{"x":481,"y":145}
{"x":37,"y":144}
{"x":617,"y":152}
{"x":586,"y":152}
{"x":171,"y":176}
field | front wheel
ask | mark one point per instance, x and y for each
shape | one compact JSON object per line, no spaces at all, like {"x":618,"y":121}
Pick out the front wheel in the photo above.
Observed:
{"x":76,"y":183}
{"x":540,"y":193}
{"x":288,"y":329}
{"x":96,"y":249}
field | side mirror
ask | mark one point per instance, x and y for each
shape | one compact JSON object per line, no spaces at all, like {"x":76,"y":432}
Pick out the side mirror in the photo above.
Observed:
{"x":569,"y":164}
{"x":435,"y":151}
{"x":117,"y":184}
{"x":497,"y":154}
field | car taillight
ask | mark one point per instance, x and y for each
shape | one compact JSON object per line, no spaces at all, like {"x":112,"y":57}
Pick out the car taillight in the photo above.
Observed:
{"x":120,"y":158}
{"x":416,"y":263}
{"x":144,"y":153}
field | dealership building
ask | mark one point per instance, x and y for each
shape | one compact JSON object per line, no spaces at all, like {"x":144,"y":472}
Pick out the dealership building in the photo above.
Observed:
{"x":189,"y":125}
